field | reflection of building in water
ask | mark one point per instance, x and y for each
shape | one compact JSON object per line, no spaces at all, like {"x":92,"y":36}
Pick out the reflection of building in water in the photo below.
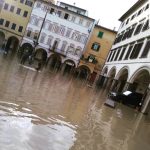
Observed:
{"x":128,"y":63}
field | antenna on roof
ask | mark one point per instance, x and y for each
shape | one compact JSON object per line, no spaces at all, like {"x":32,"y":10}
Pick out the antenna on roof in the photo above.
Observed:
{"x":74,"y":3}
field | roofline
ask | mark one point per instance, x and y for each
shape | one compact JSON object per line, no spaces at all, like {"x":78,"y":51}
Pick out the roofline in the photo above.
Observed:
{"x":73,"y":6}
{"x":106,"y":28}
{"x":136,"y":5}
{"x":72,"y":11}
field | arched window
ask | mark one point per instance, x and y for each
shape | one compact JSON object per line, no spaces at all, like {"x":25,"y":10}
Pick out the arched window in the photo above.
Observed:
{"x":78,"y":51}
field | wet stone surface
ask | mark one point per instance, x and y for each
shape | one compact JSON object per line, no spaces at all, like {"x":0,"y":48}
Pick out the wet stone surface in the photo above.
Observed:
{"x":47,"y":111}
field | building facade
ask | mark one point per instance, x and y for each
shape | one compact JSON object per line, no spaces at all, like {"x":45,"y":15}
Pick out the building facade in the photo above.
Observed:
{"x":58,"y":33}
{"x":128,"y":64}
{"x":97,"y":50}
{"x":15,"y":15}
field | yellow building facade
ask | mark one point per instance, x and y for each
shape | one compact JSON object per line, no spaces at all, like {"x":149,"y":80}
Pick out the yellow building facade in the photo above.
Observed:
{"x":15,"y":15}
{"x":97,"y":50}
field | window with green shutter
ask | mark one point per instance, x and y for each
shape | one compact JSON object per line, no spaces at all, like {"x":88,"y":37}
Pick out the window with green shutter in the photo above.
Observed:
{"x":100,"y":34}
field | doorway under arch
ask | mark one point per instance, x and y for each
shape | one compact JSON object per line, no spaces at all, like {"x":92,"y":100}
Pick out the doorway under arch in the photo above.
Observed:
{"x":2,"y":40}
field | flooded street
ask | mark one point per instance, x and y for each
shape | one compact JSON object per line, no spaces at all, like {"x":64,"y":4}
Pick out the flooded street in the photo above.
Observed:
{"x":47,"y":111}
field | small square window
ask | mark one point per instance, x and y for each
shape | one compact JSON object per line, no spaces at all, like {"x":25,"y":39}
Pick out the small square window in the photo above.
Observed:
{"x":66,"y":16}
{"x":95,"y":47}
{"x":20,"y":28}
{"x":1,"y":21}
{"x":12,"y":8}
{"x":25,"y":14}
{"x":18,"y":11}
{"x":13,"y":26}
{"x":100,"y":34}
{"x":7,"y":23}
{"x":6,"y":6}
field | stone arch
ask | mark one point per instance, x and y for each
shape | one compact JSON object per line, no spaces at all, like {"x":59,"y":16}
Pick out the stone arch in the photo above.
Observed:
{"x":121,"y":71}
{"x":68,"y":66}
{"x":40,"y":55}
{"x":105,"y":71}
{"x":26,"y":47}
{"x":12,"y":44}
{"x":2,"y":40}
{"x":84,"y":71}
{"x":113,"y":69}
{"x":54,"y":61}
{"x":140,"y":80}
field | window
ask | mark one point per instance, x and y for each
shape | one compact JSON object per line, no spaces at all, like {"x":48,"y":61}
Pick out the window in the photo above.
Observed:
{"x":38,"y":5}
{"x":42,"y":38}
{"x":73,"y":18}
{"x":62,"y":30}
{"x":130,"y":32}
{"x":13,"y":26}
{"x":146,"y":50}
{"x":81,"y":21}
{"x":118,"y":52}
{"x":113,"y":54}
{"x":91,"y":58}
{"x":147,"y":6}
{"x":133,"y":17}
{"x":36,"y":35}
{"x":50,"y":38}
{"x":64,"y":44}
{"x":138,"y":29}
{"x":100,"y":34}
{"x":127,"y":21}
{"x":18,"y":11}
{"x":1,"y":21}
{"x":128,"y":52}
{"x":68,"y":32}
{"x":55,"y":28}
{"x":21,"y":1}
{"x":7,"y":23}
{"x":29,"y":3}
{"x":136,"y":50}
{"x":20,"y":29}
{"x":146,"y":25}
{"x":50,"y":26}
{"x":66,"y":16}
{"x":110,"y":54}
{"x":95,"y":47}
{"x":6,"y":6}
{"x":52,"y":10}
{"x":58,"y":13}
{"x":29,"y":33}
{"x":12,"y":8}
{"x":122,"y":53}
{"x":25,"y":14}
{"x":139,"y":12}
{"x":83,"y":39}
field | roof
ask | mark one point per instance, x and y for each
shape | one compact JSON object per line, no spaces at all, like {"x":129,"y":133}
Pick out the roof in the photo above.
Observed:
{"x":105,"y":28}
{"x":132,"y":9}
{"x":73,"y":6}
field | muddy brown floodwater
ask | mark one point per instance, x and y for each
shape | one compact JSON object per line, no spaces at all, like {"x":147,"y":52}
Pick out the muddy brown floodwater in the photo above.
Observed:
{"x":48,"y":111}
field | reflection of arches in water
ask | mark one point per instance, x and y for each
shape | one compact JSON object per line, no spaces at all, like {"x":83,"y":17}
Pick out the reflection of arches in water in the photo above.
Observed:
{"x":84,"y":72}
{"x":12,"y":44}
{"x":26,"y":47}
{"x":2,"y":40}
{"x":40,"y":55}
{"x":54,"y":61}
{"x":69,"y":66}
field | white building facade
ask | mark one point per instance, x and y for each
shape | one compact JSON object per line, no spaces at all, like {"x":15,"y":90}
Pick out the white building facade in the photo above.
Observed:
{"x":60,"y":31}
{"x":128,"y":63}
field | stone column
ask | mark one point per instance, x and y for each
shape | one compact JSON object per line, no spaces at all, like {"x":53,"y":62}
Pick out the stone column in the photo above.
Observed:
{"x":114,"y":85}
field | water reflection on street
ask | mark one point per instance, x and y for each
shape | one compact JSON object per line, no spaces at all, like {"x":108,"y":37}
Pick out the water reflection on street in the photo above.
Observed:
{"x":50,"y":111}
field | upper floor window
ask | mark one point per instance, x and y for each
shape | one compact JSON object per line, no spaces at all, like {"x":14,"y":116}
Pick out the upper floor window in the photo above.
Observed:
{"x":13,"y":26}
{"x":62,"y":30}
{"x":81,"y":21}
{"x":55,"y":28}
{"x":127,"y":21}
{"x":7,"y":23}
{"x":66,"y":16}
{"x":73,"y":18}
{"x":29,"y":32}
{"x":138,"y":29}
{"x":21,"y":1}
{"x":147,"y":7}
{"x":136,"y":50}
{"x":100,"y":34}
{"x":95,"y":47}
{"x":146,"y":50}
{"x":133,"y":17}
{"x":64,"y":44}
{"x":146,"y":25}
{"x":122,"y":53}
{"x":42,"y":38}
{"x":68,"y":32}
{"x":20,"y":29}
{"x":52,"y":10}
{"x":29,"y":3}
{"x":25,"y":14}
{"x":38,"y":4}
{"x":1,"y":21}
{"x":18,"y":11}
{"x":139,"y":12}
{"x":36,"y":33}
{"x":49,"y":41}
{"x":128,"y":52}
{"x":6,"y":6}
{"x":58,"y":13}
